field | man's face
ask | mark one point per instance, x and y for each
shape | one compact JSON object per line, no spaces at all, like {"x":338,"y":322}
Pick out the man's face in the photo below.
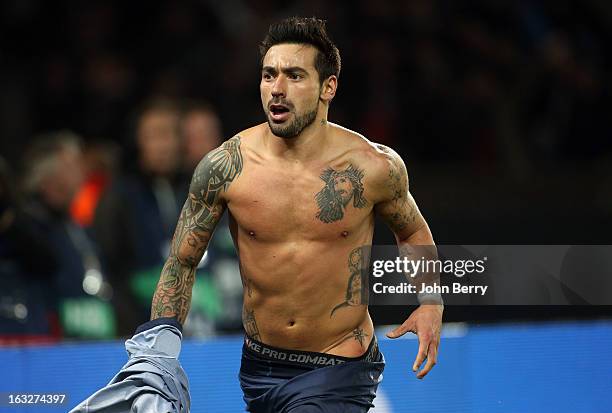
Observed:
{"x":159,"y":141}
{"x":61,"y":183}
{"x":290,"y":88}
{"x":201,"y":134}
{"x":344,"y":188}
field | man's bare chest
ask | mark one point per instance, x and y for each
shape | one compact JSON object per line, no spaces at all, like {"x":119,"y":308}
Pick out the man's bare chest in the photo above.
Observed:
{"x":317,"y":203}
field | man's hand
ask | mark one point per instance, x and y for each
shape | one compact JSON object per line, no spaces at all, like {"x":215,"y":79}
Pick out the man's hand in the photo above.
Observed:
{"x":425,"y":322}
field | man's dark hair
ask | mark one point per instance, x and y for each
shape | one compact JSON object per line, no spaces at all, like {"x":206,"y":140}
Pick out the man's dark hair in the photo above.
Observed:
{"x":157,"y":104}
{"x":310,"y":31}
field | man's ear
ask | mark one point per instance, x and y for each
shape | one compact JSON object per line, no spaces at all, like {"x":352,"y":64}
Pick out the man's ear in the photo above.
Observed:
{"x":328,"y":89}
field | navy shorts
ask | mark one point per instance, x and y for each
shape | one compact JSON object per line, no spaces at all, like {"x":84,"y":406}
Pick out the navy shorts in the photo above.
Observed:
{"x":275,"y":380}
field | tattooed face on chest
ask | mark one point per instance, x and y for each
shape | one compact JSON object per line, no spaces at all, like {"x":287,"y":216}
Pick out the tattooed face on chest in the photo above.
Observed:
{"x":340,"y":187}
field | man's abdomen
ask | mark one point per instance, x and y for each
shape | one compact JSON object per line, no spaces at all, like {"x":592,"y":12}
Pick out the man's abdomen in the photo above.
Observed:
{"x":306,"y":296}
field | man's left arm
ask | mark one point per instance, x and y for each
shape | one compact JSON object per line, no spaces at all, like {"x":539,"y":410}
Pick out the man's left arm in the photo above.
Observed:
{"x":399,"y":210}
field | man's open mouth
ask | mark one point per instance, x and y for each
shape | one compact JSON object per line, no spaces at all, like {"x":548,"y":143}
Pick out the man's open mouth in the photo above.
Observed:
{"x":279,"y":113}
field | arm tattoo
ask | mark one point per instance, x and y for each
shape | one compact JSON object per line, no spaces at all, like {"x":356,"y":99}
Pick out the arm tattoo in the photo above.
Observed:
{"x":250,"y":325}
{"x":401,"y":211}
{"x":201,"y":212}
{"x":340,"y":187}
{"x":357,"y":288}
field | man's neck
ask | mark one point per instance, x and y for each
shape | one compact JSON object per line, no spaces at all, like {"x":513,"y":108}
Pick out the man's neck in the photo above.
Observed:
{"x":308,"y":145}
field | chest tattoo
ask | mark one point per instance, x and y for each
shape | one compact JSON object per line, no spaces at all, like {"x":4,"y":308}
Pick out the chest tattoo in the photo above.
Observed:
{"x":340,"y":188}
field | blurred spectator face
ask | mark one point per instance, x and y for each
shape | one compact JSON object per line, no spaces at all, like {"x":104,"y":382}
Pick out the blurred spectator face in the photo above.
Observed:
{"x":290,"y":98}
{"x":201,"y":133}
{"x":65,"y":176}
{"x":159,"y":141}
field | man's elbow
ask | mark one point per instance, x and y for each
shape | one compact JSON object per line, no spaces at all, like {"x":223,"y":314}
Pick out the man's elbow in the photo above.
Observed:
{"x":187,"y":261}
{"x":421,"y":235}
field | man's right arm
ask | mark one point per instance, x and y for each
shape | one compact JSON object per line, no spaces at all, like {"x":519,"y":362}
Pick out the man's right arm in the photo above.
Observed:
{"x":202,"y":210}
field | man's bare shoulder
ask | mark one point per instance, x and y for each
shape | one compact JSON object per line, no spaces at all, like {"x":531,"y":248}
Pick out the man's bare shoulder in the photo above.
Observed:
{"x":249,"y":137}
{"x":251,"y":141}
{"x":375,"y":157}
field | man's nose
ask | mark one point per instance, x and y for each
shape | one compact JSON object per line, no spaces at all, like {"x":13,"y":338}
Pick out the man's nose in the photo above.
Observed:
{"x":279,"y":87}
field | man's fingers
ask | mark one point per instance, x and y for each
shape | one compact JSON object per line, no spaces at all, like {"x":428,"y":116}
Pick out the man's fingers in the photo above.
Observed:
{"x":401,"y":330}
{"x":432,"y":359}
{"x":423,"y":346}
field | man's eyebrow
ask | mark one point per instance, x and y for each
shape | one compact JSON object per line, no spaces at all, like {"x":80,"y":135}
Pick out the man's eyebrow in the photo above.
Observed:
{"x":292,"y":69}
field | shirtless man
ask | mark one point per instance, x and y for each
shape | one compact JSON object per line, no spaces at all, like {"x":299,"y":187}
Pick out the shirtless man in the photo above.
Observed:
{"x":301,"y":194}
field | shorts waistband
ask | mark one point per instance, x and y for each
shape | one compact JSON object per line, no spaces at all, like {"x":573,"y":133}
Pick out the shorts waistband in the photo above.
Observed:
{"x":306,"y":358}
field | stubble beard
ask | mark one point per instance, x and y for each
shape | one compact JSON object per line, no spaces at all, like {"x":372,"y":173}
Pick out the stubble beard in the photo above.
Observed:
{"x":296,"y":127}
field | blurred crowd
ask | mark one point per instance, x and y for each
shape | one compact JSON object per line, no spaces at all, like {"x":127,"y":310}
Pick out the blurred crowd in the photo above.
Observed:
{"x":496,"y":82}
{"x":84,"y":234}
{"x":94,"y":170}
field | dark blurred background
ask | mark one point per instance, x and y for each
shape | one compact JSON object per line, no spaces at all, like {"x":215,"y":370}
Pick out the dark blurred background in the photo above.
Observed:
{"x":500,"y":108}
